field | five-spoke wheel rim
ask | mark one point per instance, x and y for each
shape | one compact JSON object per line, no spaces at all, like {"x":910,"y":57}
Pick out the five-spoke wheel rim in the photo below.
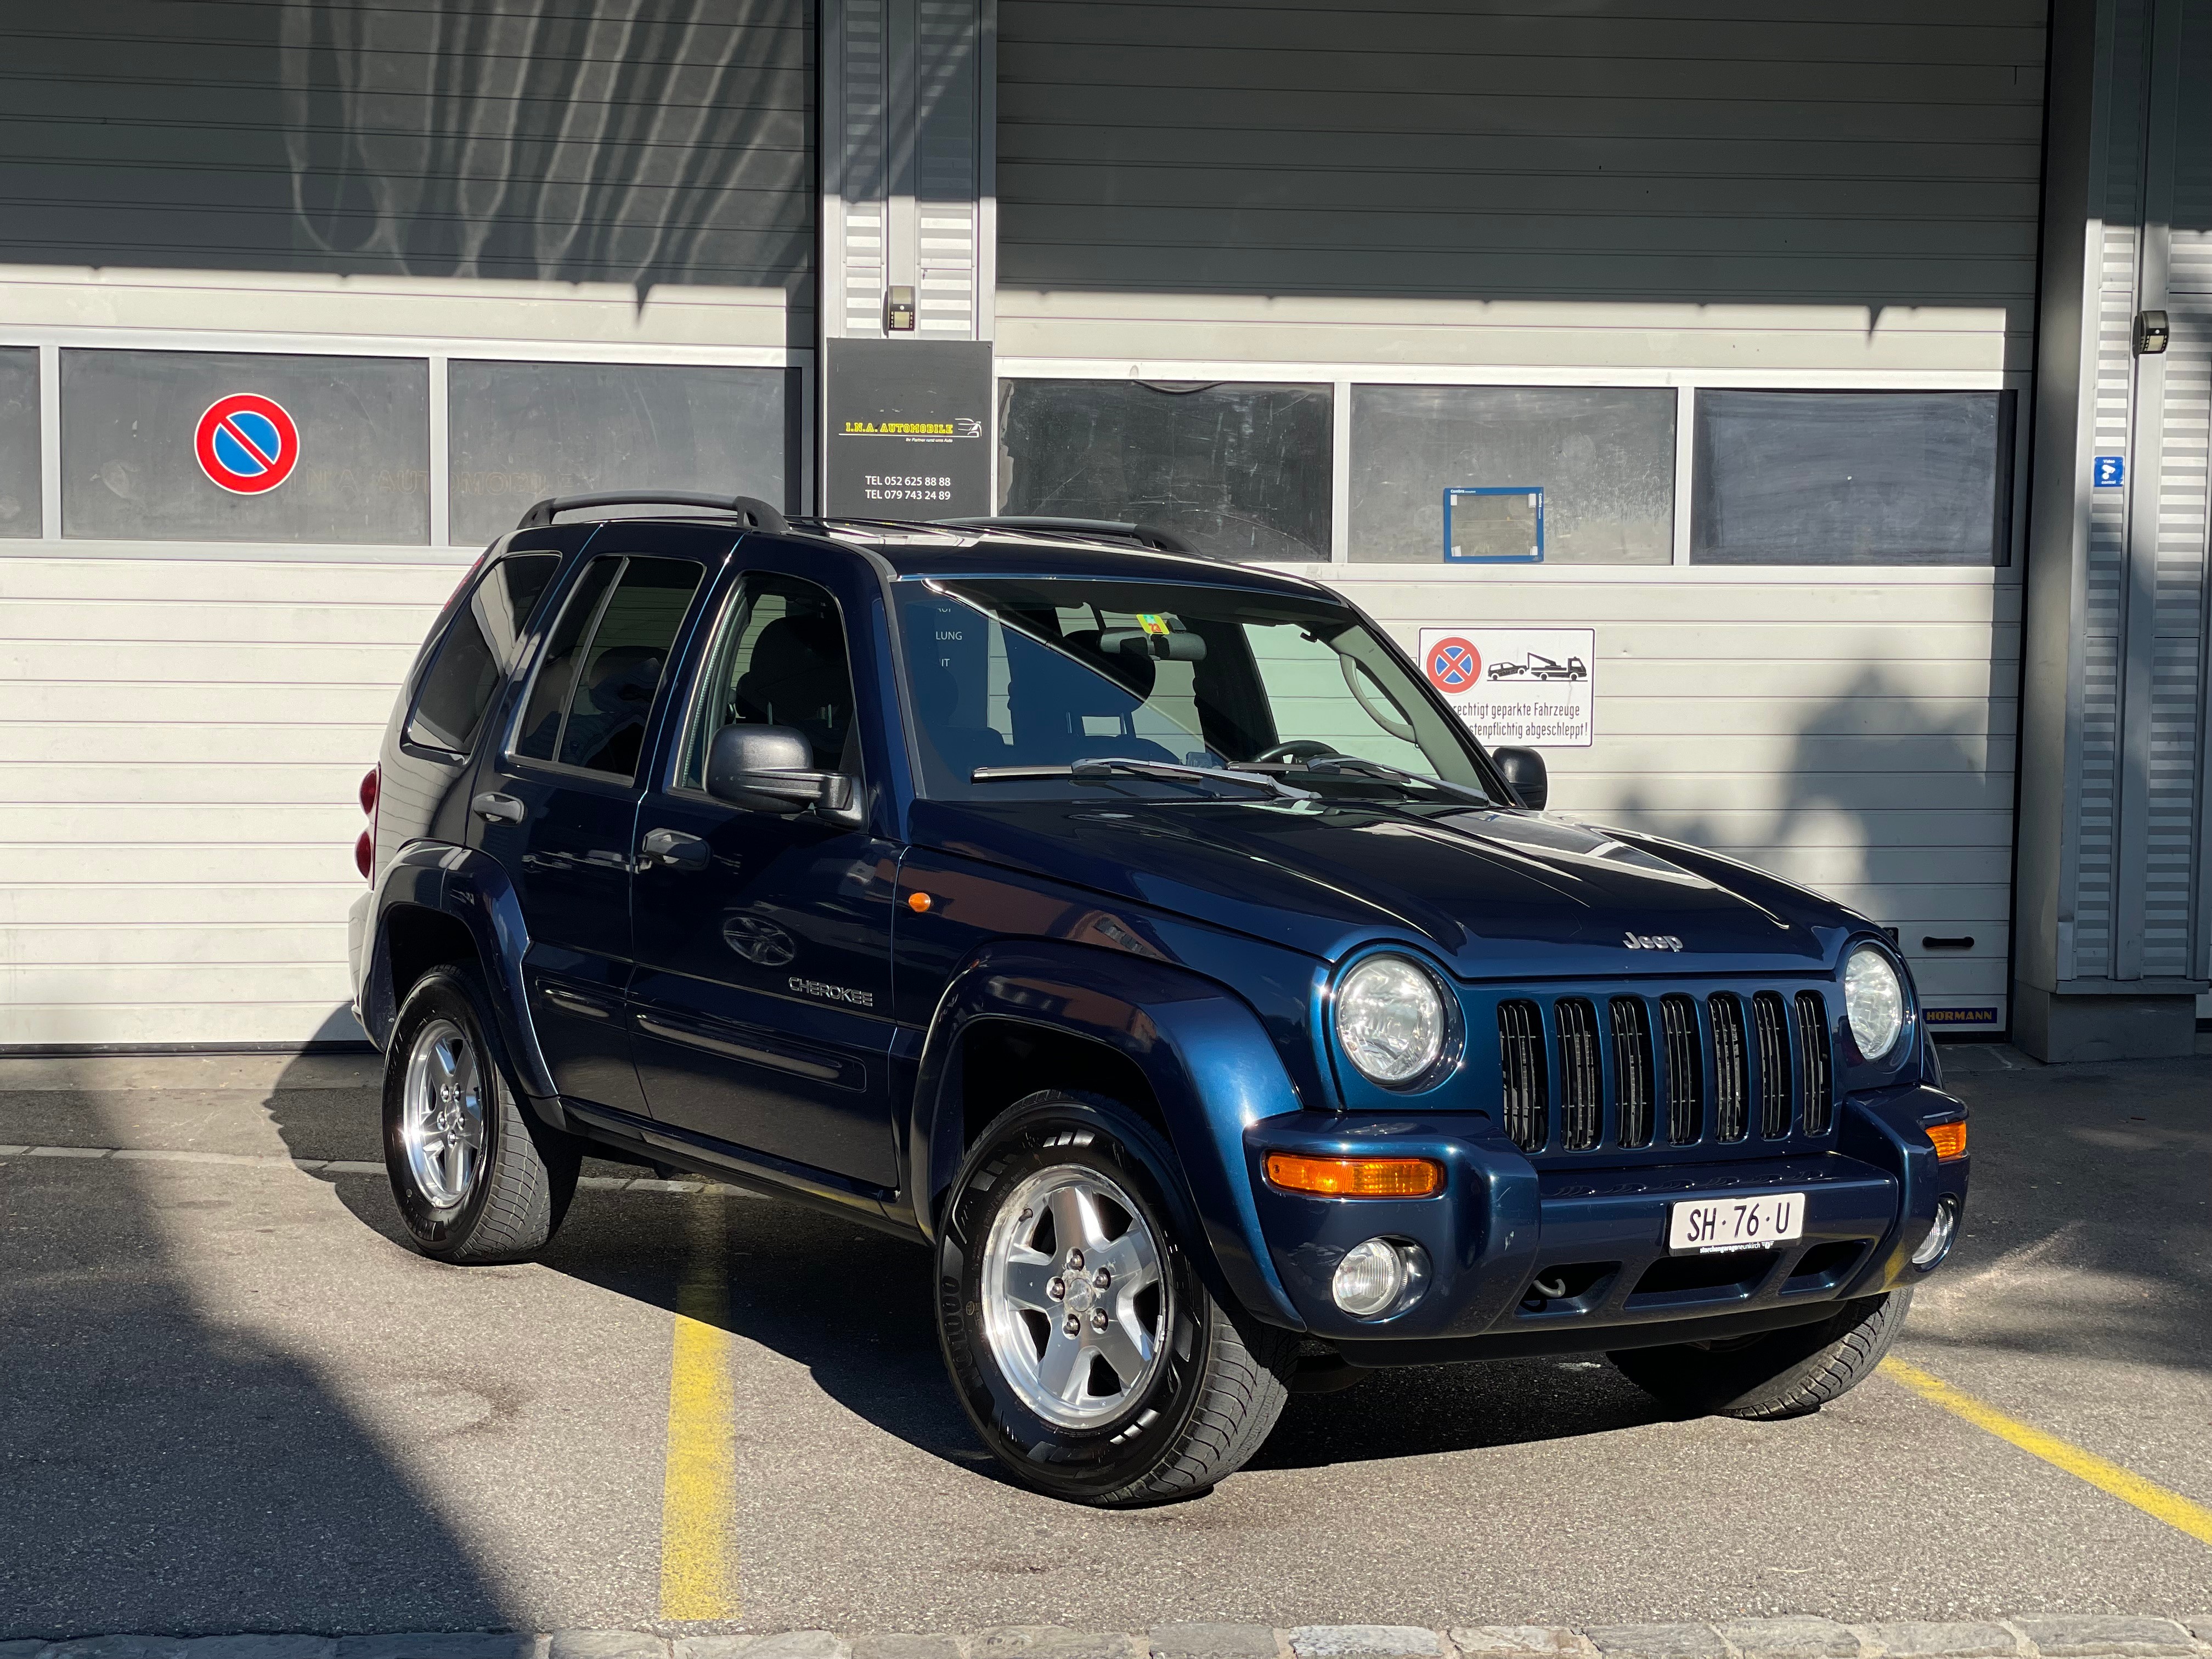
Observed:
{"x":442,"y":1114}
{"x":1075,"y":1306}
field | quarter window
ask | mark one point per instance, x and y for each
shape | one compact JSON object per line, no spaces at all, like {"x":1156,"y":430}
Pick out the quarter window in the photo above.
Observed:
{"x":594,"y":690}
{"x":478,"y":649}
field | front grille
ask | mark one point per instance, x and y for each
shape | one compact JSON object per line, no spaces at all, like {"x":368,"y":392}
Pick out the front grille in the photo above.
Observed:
{"x":1761,"y":1058}
{"x":1731,"y":1067}
{"x":1631,"y":1069}
{"x":1685,"y":1070}
{"x":1520,"y":1061}
{"x":1769,"y":1026}
{"x":1581,"y":1105}
{"x":1814,"y":1067}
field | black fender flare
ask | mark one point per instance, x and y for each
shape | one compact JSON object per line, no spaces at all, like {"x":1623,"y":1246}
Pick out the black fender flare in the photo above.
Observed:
{"x":474,"y":890}
{"x":1212,"y":1067}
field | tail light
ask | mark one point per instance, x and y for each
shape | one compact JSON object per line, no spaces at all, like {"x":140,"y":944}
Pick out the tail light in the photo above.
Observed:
{"x":364,"y":850}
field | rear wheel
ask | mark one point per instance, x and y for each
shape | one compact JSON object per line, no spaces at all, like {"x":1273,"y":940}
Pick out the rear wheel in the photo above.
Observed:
{"x":1085,"y":1347}
{"x":1787,"y":1373}
{"x":476,"y":1178}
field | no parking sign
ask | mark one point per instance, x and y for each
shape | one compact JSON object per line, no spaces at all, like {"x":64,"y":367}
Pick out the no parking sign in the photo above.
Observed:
{"x":246,"y":444}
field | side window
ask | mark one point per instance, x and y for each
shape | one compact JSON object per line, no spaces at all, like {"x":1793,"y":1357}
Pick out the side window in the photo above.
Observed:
{"x":594,"y":690}
{"x":478,"y":648}
{"x":779,"y":659}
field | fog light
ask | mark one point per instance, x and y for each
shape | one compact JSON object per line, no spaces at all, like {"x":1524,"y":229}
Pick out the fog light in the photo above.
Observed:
{"x":1937,"y":1245}
{"x":1378,"y":1276}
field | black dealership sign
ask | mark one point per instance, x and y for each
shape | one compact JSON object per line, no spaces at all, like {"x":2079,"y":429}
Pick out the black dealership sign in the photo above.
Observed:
{"x":908,"y":428}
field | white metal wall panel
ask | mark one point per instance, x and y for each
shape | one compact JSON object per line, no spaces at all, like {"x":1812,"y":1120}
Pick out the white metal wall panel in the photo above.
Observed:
{"x":180,"y":752}
{"x":1490,"y":182}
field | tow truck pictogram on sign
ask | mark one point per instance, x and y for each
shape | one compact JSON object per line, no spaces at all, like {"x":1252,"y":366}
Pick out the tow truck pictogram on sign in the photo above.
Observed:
{"x":246,"y":444}
{"x":1453,"y":665}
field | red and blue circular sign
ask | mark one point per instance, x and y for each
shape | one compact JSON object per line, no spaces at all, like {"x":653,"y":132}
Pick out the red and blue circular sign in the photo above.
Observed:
{"x":1454,"y":665}
{"x":248,"y":444}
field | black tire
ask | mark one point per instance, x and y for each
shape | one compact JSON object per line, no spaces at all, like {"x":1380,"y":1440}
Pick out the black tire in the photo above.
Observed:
{"x":1787,"y":1373}
{"x":525,"y":1174}
{"x":1220,"y":1382}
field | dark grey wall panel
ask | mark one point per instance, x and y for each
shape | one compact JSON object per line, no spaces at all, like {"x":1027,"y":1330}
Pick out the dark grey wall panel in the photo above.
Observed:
{"x":636,"y":141}
{"x":1882,"y":155}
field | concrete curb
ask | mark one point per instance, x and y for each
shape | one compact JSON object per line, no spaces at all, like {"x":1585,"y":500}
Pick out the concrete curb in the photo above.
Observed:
{"x":2040,"y":1637}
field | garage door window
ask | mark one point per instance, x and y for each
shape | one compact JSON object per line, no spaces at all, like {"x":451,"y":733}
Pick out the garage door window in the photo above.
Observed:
{"x":1852,"y":477}
{"x":1239,"y":470}
{"x":1602,"y":456}
{"x":350,"y":457}
{"x":19,"y":441}
{"x":521,"y":432}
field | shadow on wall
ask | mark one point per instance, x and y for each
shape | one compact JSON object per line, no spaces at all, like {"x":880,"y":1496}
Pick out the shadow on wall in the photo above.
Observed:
{"x":1921,"y":759}
{"x":665,"y":141}
{"x":169,"y":1466}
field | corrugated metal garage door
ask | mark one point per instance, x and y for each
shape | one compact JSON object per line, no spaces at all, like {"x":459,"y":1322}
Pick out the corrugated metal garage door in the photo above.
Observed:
{"x":591,"y":186}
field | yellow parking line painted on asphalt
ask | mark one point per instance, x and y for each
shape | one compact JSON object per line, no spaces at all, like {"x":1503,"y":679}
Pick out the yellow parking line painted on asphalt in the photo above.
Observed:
{"x":2147,"y":1496}
{"x":699,"y":1486}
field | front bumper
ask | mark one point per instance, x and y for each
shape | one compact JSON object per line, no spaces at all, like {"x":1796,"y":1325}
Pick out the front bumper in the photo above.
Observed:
{"x":1595,"y":1238}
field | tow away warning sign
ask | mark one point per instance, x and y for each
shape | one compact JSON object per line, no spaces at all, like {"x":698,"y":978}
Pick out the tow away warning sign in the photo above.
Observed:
{"x":1528,"y":687}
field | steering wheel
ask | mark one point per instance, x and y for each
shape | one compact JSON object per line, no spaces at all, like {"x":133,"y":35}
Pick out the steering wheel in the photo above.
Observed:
{"x":1299,"y":749}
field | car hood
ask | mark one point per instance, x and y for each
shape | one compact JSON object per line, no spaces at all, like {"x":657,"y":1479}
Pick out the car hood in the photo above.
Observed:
{"x":1495,"y":892}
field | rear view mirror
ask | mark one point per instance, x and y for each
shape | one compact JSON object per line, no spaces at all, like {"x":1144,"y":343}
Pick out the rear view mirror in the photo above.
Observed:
{"x":1138,"y":642}
{"x":1524,"y":771}
{"x":770,"y":768}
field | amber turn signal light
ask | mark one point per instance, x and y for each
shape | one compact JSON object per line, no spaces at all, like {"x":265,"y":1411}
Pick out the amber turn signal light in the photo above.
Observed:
{"x":919,"y":902}
{"x":1356,"y":1177}
{"x":1950,"y":1139}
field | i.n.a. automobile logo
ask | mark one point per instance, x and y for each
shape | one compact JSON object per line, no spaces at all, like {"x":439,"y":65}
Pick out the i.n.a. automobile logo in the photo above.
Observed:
{"x":1651,"y":942}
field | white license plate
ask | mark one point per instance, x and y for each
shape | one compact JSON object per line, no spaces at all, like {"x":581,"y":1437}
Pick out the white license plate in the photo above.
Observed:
{"x":1705,"y":1225}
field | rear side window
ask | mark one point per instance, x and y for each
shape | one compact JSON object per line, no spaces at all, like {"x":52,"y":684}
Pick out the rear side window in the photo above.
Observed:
{"x":606,"y":659}
{"x":478,"y":651}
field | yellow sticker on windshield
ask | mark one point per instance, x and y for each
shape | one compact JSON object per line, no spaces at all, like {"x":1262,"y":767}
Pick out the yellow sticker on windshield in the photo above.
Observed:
{"x":1151,"y":622}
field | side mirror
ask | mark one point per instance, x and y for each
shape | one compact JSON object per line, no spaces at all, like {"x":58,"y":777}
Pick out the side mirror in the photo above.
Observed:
{"x":1524,"y":771}
{"x":770,"y":768}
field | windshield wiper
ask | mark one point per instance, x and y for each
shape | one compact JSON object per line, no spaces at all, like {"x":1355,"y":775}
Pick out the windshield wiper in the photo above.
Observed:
{"x":1104,"y":769}
{"x":1354,"y":763}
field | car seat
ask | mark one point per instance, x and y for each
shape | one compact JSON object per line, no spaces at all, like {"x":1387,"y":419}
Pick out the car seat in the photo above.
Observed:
{"x":797,"y":678}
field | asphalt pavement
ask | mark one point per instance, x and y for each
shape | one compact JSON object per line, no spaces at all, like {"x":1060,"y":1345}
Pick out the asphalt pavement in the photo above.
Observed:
{"x":231,"y":1399}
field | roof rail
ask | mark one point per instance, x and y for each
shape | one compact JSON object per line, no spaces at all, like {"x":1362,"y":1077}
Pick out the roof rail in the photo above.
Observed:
{"x":756,"y":513}
{"x":1145,"y":535}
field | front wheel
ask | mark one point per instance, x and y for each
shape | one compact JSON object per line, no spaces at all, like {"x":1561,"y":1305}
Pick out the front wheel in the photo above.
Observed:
{"x":1787,"y":1373}
{"x":1084,"y":1345}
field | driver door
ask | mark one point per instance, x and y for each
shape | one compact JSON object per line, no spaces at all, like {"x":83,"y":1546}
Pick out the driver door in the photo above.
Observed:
{"x":761,"y":1005}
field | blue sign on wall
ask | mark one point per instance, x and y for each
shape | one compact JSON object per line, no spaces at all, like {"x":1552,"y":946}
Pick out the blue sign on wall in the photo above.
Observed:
{"x":2109,"y":471}
{"x":1494,"y":523}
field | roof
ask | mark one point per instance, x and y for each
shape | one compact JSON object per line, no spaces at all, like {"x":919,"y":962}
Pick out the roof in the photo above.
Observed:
{"x":918,"y":549}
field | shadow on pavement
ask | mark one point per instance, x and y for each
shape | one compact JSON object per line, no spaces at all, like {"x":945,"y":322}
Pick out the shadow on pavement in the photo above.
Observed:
{"x":165,"y":1469}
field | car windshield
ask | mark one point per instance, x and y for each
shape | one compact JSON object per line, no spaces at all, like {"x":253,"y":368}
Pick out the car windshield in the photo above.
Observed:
{"x":1037,"y":673}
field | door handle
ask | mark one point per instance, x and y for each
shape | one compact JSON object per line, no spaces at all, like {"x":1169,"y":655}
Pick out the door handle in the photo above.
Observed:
{"x":493,"y":808}
{"x":675,"y":849}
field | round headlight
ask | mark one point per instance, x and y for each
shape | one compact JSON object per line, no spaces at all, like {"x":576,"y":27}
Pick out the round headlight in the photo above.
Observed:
{"x":1874,"y":1001}
{"x":1390,"y":1018}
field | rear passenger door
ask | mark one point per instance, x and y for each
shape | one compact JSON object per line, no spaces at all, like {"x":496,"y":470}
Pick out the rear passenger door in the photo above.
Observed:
{"x":557,"y":804}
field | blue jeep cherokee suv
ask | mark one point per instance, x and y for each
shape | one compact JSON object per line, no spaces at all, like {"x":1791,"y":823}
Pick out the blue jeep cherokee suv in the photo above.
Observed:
{"x":1144,"y":937}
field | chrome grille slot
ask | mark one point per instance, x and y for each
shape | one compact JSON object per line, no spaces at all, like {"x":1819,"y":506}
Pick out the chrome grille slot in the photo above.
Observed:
{"x":1631,"y":1069}
{"x":1769,"y":1026}
{"x":1813,"y":1061}
{"x":1581,"y":1103}
{"x":1686,"y":1101}
{"x":1521,"y":1064}
{"x":1731,"y":1067}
